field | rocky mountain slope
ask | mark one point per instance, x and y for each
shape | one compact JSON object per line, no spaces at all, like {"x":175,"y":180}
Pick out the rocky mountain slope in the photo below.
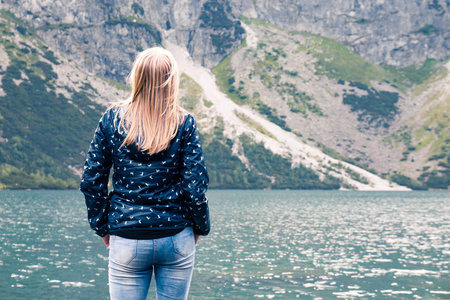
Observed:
{"x":239,"y":121}
{"x":313,"y":86}
{"x":394,"y":120}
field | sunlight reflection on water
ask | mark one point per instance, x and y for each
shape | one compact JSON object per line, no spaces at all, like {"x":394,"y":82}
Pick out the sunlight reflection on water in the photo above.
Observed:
{"x":288,"y":244}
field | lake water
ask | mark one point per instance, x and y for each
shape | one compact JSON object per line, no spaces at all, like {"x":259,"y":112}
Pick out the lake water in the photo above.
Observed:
{"x":263,"y":245}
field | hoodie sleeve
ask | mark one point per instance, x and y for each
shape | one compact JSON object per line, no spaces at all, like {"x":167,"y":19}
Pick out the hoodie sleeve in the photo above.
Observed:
{"x":94,"y":182}
{"x":194,"y":177}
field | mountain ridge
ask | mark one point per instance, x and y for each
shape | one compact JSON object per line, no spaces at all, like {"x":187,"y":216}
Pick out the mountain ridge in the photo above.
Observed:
{"x":395,"y":32}
{"x":298,"y":91}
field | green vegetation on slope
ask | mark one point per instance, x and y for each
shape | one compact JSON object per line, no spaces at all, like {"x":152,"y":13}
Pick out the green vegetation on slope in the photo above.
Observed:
{"x":42,"y":132}
{"x":336,"y":61}
{"x":279,"y":169}
{"x":227,"y":171}
{"x":271,"y":72}
{"x":60,"y":26}
{"x":406,"y":181}
{"x":268,"y":170}
{"x":333,"y":153}
{"x":299,"y":101}
{"x":247,"y":120}
{"x":378,"y":107}
{"x":137,"y":8}
{"x":215,"y":15}
{"x":225,"y":80}
{"x":433,"y":137}
{"x":137,"y":23}
{"x":118,"y":85}
{"x":427,"y":29}
{"x":192,"y":92}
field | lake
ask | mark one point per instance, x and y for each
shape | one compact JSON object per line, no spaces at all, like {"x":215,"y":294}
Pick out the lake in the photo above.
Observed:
{"x":263,"y":245}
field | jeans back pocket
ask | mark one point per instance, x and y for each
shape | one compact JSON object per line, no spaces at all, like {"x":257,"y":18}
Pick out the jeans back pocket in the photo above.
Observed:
{"x":184,"y":242}
{"x":121,"y":250}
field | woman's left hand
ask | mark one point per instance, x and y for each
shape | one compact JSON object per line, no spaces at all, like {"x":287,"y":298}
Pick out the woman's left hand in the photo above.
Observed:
{"x":196,"y":236}
{"x":106,"y":240}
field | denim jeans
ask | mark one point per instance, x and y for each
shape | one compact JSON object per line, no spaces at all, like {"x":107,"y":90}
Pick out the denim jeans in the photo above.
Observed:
{"x":132,"y":262}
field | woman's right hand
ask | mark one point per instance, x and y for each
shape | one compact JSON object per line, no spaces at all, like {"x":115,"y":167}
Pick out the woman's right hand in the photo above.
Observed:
{"x":106,"y":240}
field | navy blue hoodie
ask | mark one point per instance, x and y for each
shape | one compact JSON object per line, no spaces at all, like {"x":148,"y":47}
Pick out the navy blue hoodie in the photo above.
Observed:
{"x":153,"y":195}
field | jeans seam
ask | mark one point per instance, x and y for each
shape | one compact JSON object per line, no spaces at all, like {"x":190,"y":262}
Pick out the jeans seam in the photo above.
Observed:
{"x":154,"y":250}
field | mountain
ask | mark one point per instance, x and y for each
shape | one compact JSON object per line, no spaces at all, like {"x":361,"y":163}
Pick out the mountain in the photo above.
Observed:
{"x":48,"y":110}
{"x":323,"y":95}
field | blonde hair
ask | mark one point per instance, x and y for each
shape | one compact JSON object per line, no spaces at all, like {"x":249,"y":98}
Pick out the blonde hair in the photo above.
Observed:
{"x":151,"y":116}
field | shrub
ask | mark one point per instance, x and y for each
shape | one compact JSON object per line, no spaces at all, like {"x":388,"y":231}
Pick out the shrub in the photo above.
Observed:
{"x":137,"y":8}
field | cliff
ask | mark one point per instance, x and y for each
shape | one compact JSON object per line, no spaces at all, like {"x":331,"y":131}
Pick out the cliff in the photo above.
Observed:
{"x":103,"y":36}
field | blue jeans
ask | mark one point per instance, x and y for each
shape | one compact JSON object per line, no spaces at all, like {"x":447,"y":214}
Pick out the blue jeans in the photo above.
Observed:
{"x":131,"y":264}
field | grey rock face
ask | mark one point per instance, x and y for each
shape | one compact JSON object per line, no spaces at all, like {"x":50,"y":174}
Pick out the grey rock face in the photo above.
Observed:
{"x":218,"y":30}
{"x":104,"y":36}
{"x":393,"y":32}
{"x":103,"y":55}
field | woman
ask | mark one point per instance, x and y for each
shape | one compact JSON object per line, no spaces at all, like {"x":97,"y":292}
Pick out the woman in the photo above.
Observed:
{"x":153,"y":217}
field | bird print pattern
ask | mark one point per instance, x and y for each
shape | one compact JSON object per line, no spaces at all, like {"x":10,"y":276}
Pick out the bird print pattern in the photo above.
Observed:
{"x":166,"y":190}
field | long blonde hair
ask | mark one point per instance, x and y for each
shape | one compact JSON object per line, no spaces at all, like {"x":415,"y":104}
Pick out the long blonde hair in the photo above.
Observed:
{"x":151,"y":116}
